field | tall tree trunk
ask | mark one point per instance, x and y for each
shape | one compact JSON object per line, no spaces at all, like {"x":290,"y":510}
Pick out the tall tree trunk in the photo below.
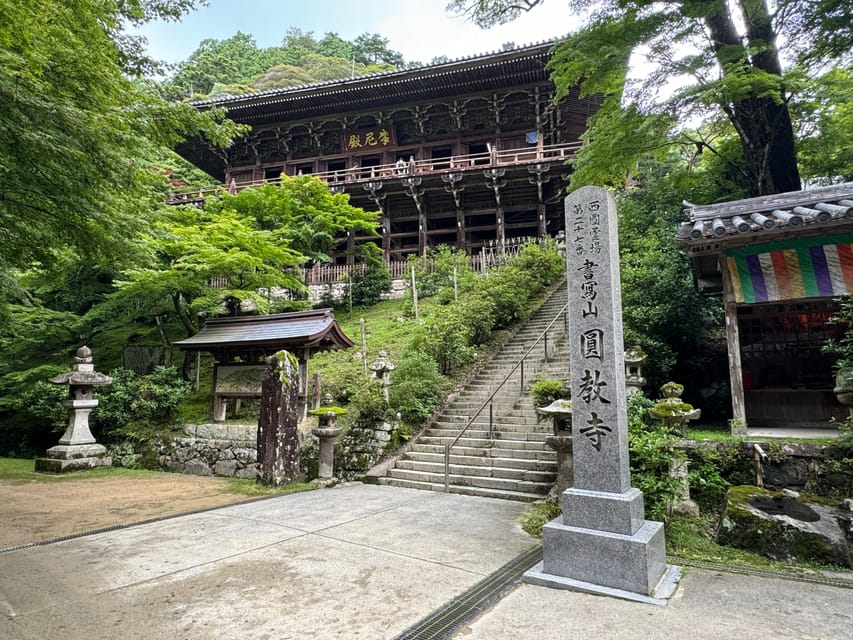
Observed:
{"x":763,"y":124}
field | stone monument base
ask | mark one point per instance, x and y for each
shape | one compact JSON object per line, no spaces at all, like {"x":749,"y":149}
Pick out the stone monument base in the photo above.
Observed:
{"x":661,"y":594}
{"x":64,"y":458}
{"x":629,"y":566}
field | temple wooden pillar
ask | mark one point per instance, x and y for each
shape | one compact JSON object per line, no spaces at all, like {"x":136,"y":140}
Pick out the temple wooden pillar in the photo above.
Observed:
{"x":738,"y":424}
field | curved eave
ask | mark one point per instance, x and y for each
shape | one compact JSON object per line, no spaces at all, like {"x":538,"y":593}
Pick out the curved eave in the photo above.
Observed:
{"x":517,"y":67}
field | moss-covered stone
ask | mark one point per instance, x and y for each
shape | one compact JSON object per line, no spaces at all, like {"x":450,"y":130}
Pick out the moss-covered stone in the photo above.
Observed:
{"x":785,"y":534}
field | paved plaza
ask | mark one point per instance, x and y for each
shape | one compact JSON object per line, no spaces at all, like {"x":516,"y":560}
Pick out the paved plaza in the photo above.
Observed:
{"x":361,"y":561}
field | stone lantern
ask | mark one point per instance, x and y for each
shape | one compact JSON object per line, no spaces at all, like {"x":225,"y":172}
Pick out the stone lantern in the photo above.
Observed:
{"x":326,"y":431}
{"x":382,"y":369}
{"x":675,"y":414}
{"x":77,"y":448}
{"x":560,"y":411}
{"x":635,"y":358}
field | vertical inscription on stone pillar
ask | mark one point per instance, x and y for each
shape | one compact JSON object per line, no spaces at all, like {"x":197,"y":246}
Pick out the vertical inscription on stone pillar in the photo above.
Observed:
{"x":599,"y":420}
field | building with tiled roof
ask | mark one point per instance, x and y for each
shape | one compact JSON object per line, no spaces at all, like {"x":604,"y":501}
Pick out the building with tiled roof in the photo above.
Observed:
{"x":469,"y":153}
{"x":780,"y":262}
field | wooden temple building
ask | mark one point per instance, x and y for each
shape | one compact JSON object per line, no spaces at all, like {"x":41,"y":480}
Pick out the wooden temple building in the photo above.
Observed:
{"x":780,"y":263}
{"x":469,"y":153}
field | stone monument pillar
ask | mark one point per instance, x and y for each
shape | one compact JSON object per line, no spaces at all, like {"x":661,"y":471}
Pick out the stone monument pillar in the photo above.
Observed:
{"x":278,"y":438}
{"x":77,"y":448}
{"x":602,"y":543}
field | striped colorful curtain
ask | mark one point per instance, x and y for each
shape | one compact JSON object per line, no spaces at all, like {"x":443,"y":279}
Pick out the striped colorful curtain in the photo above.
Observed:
{"x":803,"y":268}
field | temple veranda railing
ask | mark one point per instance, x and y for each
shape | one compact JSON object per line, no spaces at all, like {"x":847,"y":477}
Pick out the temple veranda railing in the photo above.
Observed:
{"x":342,"y":177}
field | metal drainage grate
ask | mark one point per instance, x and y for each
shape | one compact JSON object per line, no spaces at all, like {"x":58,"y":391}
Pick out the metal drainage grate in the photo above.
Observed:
{"x":444,"y":621}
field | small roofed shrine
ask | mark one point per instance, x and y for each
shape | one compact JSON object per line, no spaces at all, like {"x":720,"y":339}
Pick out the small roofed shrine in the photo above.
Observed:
{"x":240,"y":346}
{"x":780,"y":262}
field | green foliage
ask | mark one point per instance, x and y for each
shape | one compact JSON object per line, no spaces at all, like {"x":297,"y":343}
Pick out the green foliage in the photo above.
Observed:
{"x":205,"y":261}
{"x":417,"y":388}
{"x":367,"y":407}
{"x":42,"y":406}
{"x":662,"y":310}
{"x":546,"y":391}
{"x":301,"y":59}
{"x":75,"y":126}
{"x":136,"y":405}
{"x":537,"y":516}
{"x":434,"y":272}
{"x":842,"y":347}
{"x":650,"y":453}
{"x":368,"y":285}
{"x":303,"y":211}
{"x":447,"y":339}
{"x":486,"y":303}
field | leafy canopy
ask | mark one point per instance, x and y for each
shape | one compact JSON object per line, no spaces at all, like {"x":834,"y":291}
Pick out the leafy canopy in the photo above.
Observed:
{"x":716,"y":61}
{"x":75,"y":126}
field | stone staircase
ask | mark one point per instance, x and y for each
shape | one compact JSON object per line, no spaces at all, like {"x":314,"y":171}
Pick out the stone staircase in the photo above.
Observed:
{"x":516,"y":464}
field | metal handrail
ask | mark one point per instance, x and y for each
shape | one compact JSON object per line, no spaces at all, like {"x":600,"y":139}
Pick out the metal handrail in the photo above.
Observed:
{"x":490,"y":399}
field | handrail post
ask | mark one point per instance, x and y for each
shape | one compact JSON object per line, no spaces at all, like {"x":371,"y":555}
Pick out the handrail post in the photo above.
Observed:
{"x":545,"y":342}
{"x":521,"y":389}
{"x":491,"y":420}
{"x":446,"y":468}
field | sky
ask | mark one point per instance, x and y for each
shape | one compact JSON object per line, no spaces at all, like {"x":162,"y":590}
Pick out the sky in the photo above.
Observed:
{"x":419,"y":29}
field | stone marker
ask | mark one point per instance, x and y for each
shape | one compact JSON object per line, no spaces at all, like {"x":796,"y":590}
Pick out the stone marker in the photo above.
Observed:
{"x":77,"y":449}
{"x":278,"y":438}
{"x":602,"y":543}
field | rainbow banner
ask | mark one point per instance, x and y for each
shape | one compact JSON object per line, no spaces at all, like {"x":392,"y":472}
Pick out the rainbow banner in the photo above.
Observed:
{"x":819,"y":267}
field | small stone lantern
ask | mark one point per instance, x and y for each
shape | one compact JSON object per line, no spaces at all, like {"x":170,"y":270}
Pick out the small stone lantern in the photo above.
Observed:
{"x":560,"y":411}
{"x":326,"y":431}
{"x":675,"y":414}
{"x":77,"y":448}
{"x":635,"y":358}
{"x":382,"y":369}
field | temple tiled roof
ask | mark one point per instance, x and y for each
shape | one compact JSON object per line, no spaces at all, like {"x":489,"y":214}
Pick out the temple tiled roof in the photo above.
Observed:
{"x":487,"y":72}
{"x":316,"y":328}
{"x":767,"y":218}
{"x":726,"y":226}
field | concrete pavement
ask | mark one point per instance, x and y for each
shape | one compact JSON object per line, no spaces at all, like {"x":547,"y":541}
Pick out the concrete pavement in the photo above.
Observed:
{"x":361,"y":561}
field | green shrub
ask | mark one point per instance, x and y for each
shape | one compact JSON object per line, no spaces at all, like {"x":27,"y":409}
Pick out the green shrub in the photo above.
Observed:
{"x":133,"y":402}
{"x":417,"y":388}
{"x":369,"y":285}
{"x":546,"y":391}
{"x":42,"y":404}
{"x":446,"y":338}
{"x":368,"y":407}
{"x":650,"y":452}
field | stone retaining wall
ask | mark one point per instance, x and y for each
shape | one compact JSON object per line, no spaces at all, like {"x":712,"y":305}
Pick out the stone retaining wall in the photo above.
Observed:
{"x":214,"y":450}
{"x":231,"y":451}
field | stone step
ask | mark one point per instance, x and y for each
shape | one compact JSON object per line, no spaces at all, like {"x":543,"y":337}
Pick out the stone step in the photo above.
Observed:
{"x":480,"y":471}
{"x":483,"y":461}
{"x":503,"y":484}
{"x":485,"y":443}
{"x":538,"y":436}
{"x":490,"y":452}
{"x":517,"y":496}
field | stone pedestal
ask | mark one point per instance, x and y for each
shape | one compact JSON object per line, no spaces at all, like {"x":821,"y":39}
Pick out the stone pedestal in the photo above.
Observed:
{"x":326,"y":463}
{"x":565,"y":463}
{"x":682,"y":504}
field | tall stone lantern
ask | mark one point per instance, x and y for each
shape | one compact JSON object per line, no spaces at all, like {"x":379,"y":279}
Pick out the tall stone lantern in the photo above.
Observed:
{"x":382,"y":369}
{"x":635,"y":358}
{"x":77,"y":448}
